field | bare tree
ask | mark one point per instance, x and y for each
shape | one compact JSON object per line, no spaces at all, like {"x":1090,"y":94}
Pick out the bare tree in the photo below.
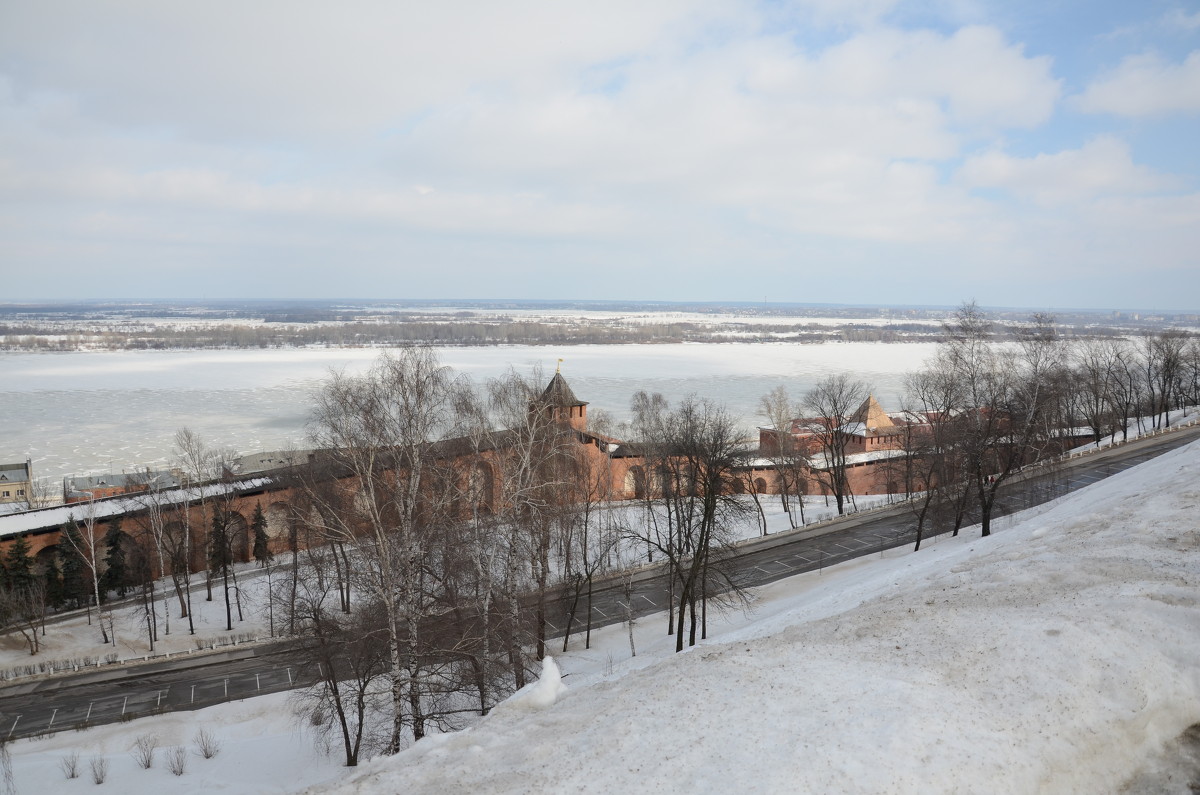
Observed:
{"x":1010,"y":400}
{"x":23,"y":608}
{"x":41,"y":494}
{"x":789,"y":456}
{"x":933,"y":448}
{"x":345,"y":653}
{"x":1164,"y":361}
{"x":1191,"y":379}
{"x":591,"y":536}
{"x":199,"y":466}
{"x":153,"y":523}
{"x":652,"y":484}
{"x":1127,"y":389}
{"x":700,"y":451}
{"x":1096,"y":370}
{"x":831,"y":402}
{"x":86,"y":542}
{"x":537,"y":465}
{"x":378,"y":430}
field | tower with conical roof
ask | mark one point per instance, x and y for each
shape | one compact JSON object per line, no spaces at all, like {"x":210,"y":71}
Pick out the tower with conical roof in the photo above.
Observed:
{"x":872,"y":415}
{"x":562,"y":405}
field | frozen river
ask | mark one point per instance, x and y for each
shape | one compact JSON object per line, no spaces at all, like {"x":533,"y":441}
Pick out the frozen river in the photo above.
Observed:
{"x":82,"y":413}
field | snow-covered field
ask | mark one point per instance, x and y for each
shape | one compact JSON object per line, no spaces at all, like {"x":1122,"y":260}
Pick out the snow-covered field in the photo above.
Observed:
{"x":1060,"y":655}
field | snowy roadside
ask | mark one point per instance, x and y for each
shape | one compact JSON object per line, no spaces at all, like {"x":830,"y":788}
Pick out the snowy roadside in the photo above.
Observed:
{"x":74,"y":637}
{"x":1056,"y":656}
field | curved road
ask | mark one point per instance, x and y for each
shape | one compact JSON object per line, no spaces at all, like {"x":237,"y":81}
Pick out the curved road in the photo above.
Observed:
{"x":765,"y":560}
{"x":112,"y":694}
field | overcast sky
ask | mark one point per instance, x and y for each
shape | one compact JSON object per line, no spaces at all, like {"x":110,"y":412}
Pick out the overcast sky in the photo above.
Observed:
{"x":1019,"y":152}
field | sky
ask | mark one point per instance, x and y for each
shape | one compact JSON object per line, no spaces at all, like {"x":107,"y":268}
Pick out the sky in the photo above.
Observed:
{"x":1033,"y":153}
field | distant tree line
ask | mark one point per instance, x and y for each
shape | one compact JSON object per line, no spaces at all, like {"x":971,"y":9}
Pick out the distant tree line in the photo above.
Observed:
{"x":989,"y":403}
{"x":34,"y":337}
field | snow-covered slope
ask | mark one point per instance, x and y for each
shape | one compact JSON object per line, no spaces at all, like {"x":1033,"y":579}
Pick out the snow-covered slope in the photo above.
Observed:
{"x":1056,"y":656}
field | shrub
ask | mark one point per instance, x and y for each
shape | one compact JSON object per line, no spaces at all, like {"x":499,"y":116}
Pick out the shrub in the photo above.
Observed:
{"x":207,"y":743}
{"x":69,"y":765}
{"x":177,"y":760}
{"x":99,"y":769}
{"x":143,"y":750}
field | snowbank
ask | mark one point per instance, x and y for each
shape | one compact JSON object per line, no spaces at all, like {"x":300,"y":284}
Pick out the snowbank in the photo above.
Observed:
{"x":1060,"y":655}
{"x":537,"y":695}
{"x":1053,"y":657}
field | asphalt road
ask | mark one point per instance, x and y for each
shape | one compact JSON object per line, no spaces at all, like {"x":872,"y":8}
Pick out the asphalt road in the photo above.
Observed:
{"x":772,"y":558}
{"x":111,"y":694}
{"x":108,"y":695}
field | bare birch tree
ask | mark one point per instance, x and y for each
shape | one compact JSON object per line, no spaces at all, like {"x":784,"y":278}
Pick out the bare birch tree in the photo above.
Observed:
{"x":830,"y":404}
{"x":377,"y":430}
{"x":86,"y":542}
{"x":789,"y":457}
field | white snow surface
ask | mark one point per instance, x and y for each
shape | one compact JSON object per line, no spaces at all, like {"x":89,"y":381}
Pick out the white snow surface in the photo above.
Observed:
{"x":1055,"y":656}
{"x":540,"y":694}
{"x":1060,"y":655}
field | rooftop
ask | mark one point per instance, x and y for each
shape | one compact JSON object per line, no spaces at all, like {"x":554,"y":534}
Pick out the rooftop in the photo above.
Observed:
{"x":558,"y":393}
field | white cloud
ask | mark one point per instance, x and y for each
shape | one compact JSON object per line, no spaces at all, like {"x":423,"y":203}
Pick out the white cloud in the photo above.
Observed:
{"x":231,"y":69}
{"x":1102,"y":167}
{"x":1145,"y":85}
{"x":981,"y":78}
{"x":742,"y":119}
{"x":667,"y":138}
{"x":1178,"y":19}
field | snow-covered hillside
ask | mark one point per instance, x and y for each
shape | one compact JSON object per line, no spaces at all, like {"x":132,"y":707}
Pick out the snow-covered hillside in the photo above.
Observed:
{"x":1061,"y":655}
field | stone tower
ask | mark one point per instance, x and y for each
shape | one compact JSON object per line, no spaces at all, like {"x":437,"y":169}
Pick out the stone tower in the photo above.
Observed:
{"x":561,"y":403}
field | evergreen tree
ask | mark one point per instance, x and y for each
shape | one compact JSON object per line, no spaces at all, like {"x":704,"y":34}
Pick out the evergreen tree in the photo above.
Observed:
{"x":18,"y":566}
{"x":54,"y":585}
{"x":262,"y":547}
{"x":116,"y":574}
{"x":218,"y":543}
{"x":74,"y":583}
